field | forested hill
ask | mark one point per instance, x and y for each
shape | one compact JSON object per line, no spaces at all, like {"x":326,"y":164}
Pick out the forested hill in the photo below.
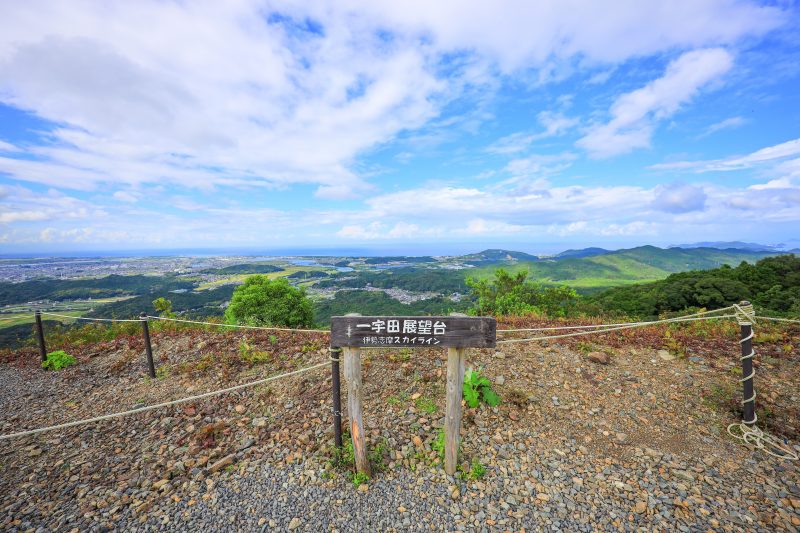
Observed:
{"x":772,"y":283}
{"x":595,"y":269}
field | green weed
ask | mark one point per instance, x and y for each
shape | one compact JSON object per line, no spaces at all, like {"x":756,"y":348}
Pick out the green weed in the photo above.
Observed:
{"x":358,"y":478}
{"x":58,"y":360}
{"x":478,"y":388}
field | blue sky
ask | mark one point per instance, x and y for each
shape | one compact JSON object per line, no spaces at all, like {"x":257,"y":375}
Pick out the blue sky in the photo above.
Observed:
{"x":413,"y":126}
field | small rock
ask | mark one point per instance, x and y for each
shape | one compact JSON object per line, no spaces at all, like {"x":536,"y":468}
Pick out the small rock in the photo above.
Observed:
{"x":222,"y":463}
{"x":363,"y":487}
{"x":158,"y":485}
{"x":417,"y":441}
{"x":599,"y":357}
{"x":294,"y":523}
{"x":641,"y":507}
{"x":621,"y":438}
{"x":240,"y":409}
{"x":665,"y":355}
{"x":500,"y":380}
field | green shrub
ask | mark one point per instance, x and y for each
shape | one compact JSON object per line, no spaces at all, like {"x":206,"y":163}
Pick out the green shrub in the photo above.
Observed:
{"x":478,"y":388}
{"x":58,"y":360}
{"x":264,"y":302}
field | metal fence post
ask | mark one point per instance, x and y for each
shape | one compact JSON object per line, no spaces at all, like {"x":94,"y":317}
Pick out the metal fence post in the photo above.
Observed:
{"x":147,"y":346}
{"x":40,"y":336}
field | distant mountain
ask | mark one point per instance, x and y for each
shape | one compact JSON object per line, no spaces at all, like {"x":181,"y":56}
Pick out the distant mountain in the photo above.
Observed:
{"x":584,"y":252}
{"x":622,"y":267}
{"x":498,"y":256}
{"x":730,"y":245}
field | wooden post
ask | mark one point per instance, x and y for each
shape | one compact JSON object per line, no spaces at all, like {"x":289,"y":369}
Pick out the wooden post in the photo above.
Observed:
{"x":452,"y":422}
{"x":336,"y":354}
{"x":352,"y":373}
{"x":40,"y":336}
{"x":749,"y":402}
{"x":148,"y":348}
{"x":455,"y":391}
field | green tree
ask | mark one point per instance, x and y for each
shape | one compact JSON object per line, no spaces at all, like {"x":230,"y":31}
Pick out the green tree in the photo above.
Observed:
{"x":264,"y":302}
{"x":164,"y":307}
{"x":508,"y":294}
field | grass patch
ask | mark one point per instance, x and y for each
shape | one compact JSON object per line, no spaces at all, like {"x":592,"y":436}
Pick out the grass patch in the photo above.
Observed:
{"x":426,"y":405}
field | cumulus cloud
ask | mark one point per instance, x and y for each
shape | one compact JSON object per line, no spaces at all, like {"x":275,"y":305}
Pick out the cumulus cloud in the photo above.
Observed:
{"x":206,"y":94}
{"x":635,"y":114}
{"x":679,"y":198}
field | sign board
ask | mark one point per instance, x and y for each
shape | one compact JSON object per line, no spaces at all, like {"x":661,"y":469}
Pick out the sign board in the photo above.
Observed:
{"x":413,"y":331}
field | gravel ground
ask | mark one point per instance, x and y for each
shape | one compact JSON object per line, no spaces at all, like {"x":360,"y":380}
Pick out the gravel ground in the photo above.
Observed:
{"x":637,"y":443}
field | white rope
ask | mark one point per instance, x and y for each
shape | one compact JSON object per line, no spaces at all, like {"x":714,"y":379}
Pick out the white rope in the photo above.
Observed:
{"x":633,"y":325}
{"x":765,"y":442}
{"x":159,"y":405}
{"x":6,"y":319}
{"x":676,"y":319}
{"x":237,"y":325}
{"x":92,"y":319}
{"x":745,"y":314}
{"x":746,"y":430}
{"x":776,"y":319}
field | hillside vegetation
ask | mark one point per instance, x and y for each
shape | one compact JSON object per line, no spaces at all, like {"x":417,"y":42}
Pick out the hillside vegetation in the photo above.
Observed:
{"x":772,"y":284}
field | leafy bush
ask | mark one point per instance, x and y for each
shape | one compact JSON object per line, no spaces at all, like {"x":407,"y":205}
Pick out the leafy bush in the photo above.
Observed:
{"x":264,"y":302}
{"x":508,"y":294}
{"x":58,"y":360}
{"x":478,"y":388}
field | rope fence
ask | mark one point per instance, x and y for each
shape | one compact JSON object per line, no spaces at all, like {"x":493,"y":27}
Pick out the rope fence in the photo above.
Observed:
{"x":159,"y":405}
{"x":746,"y":430}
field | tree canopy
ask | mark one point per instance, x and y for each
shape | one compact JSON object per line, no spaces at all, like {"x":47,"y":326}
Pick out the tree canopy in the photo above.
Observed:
{"x":508,"y":294}
{"x":264,"y":302}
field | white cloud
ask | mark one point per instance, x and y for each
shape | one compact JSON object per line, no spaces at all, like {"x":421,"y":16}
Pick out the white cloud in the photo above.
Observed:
{"x":8,"y":147}
{"x":205,"y":94}
{"x":732,"y":122}
{"x":634,"y":114}
{"x":679,"y":198}
{"x":767,"y":155}
{"x":554,"y":124}
{"x":126,"y":196}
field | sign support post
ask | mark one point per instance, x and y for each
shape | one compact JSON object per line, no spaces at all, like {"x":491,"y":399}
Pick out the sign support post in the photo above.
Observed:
{"x":456,"y":332}
{"x":352,"y":374}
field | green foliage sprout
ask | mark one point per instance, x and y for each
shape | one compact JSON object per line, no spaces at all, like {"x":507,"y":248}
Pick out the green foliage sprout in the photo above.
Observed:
{"x":58,"y":360}
{"x":478,"y":388}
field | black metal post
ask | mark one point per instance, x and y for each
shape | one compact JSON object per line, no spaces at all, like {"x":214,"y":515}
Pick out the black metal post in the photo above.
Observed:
{"x":147,"y":347}
{"x":40,"y":336}
{"x":337,"y":396}
{"x":749,"y":398}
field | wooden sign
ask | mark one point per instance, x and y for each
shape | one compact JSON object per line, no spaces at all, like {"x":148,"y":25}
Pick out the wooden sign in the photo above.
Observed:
{"x":413,"y":331}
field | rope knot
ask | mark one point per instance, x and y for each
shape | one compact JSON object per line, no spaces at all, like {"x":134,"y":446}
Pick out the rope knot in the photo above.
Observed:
{"x":745,"y":314}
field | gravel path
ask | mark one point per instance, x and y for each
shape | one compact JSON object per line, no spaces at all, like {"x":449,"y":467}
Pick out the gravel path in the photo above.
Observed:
{"x":638,"y":443}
